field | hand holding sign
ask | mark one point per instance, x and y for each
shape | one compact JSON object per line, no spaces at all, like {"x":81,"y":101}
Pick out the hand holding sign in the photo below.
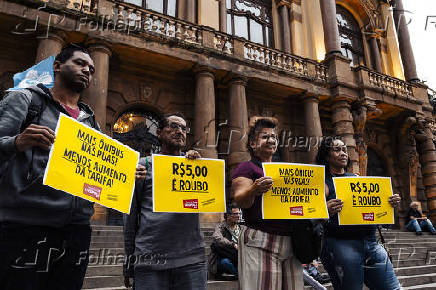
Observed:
{"x":35,"y":136}
{"x":262,"y":185}
{"x":334,"y":206}
{"x":394,"y":200}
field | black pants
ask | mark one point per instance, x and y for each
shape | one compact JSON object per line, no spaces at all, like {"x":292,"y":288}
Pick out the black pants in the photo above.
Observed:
{"x":34,"y":257}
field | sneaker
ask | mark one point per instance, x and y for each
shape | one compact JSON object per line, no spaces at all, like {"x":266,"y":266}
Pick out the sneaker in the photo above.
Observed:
{"x":418,"y":233}
{"x":433,"y":233}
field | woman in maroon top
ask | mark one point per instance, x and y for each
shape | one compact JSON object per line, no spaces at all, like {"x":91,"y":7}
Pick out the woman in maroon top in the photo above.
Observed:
{"x":266,"y":260}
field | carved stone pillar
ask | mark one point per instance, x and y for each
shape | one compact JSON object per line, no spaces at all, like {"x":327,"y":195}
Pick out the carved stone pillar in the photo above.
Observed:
{"x":50,"y":45}
{"x":223,"y":16}
{"x":96,"y":94}
{"x":428,"y":163}
{"x":375,"y":54}
{"x":343,"y":127}
{"x":313,"y":125}
{"x":363,"y":111}
{"x":406,"y":51}
{"x":284,"y":17}
{"x":238,"y":122}
{"x":331,"y":31}
{"x":204,"y":129}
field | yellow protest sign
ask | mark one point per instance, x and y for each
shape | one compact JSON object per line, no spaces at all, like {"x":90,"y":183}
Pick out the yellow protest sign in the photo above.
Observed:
{"x":297,"y":191}
{"x":88,"y":164}
{"x":366,"y":200}
{"x":186,"y":185}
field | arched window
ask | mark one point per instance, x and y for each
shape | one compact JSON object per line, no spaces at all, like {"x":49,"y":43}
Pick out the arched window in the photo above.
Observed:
{"x":137,"y":129}
{"x":168,"y":7}
{"x":250,"y":19}
{"x":350,"y":36}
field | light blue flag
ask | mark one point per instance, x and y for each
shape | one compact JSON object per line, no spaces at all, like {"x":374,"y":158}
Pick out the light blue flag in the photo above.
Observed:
{"x":41,"y":72}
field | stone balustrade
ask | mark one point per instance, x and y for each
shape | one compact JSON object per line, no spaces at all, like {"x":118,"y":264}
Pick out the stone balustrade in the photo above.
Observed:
{"x":389,"y":84}
{"x":276,"y":59}
{"x":321,"y":72}
{"x":145,"y":21}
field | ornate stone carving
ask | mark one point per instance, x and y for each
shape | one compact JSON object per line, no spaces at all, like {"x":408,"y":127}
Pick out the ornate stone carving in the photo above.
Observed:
{"x":362,"y":111}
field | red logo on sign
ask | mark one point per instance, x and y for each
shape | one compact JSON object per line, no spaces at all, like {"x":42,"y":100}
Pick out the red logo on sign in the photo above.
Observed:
{"x":369,"y":216}
{"x":92,"y":190}
{"x":190,"y":203}
{"x":297,"y":210}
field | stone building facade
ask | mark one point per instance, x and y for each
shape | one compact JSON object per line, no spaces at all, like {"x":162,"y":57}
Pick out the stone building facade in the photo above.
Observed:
{"x":320,"y":67}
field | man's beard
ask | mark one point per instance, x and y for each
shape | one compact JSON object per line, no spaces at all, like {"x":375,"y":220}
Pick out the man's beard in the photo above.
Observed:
{"x":70,"y":83}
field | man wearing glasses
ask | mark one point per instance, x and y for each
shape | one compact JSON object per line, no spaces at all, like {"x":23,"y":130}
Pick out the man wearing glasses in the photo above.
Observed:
{"x":165,"y":250}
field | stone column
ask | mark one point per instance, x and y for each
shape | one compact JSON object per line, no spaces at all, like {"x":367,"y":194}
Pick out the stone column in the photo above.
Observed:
{"x":331,"y":31}
{"x":375,"y":54}
{"x":190,"y":11}
{"x":286,"y":37}
{"x":238,"y":122}
{"x":428,"y":163}
{"x":223,"y":16}
{"x":96,"y":97}
{"x":96,"y":94}
{"x":50,"y":45}
{"x":204,"y":129}
{"x":313,"y":125}
{"x":342,"y":121}
{"x":406,"y":51}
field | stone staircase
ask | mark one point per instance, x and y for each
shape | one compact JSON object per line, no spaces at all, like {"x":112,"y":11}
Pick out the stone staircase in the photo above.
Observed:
{"x":414,"y":259}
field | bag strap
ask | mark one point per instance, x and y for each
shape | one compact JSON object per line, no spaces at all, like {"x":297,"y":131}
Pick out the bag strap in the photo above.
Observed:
{"x":35,"y":110}
{"x":382,"y":239}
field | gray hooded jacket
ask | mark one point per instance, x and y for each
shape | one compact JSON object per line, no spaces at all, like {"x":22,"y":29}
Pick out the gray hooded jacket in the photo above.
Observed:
{"x":23,"y":198}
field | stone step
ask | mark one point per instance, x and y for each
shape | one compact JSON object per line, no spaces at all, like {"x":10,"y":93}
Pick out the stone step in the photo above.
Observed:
{"x":222,"y":285}
{"x":412,"y":240}
{"x":417,"y":279}
{"x":101,"y":239}
{"x":106,"y":233}
{"x":106,"y":245}
{"x":411,"y":249}
{"x":104,"y":281}
{"x":104,"y":227}
{"x":117,"y":282}
{"x":430,"y":286}
{"x":106,"y":252}
{"x":415,"y":270}
{"x":106,"y":270}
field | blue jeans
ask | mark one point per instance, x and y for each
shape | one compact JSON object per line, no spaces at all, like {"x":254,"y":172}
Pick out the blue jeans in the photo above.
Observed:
{"x":226,"y":266}
{"x":350,"y":263}
{"x":189,"y":277}
{"x":419,"y":226}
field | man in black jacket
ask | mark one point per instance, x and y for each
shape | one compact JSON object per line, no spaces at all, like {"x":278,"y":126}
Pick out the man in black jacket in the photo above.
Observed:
{"x":44,"y":233}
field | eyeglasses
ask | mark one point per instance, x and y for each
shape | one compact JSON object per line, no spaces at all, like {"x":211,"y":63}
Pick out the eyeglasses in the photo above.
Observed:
{"x":339,"y":149}
{"x":266,"y":137}
{"x":175,"y":126}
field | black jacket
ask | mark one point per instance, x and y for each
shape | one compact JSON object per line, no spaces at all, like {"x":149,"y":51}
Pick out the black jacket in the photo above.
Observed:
{"x":23,"y":198}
